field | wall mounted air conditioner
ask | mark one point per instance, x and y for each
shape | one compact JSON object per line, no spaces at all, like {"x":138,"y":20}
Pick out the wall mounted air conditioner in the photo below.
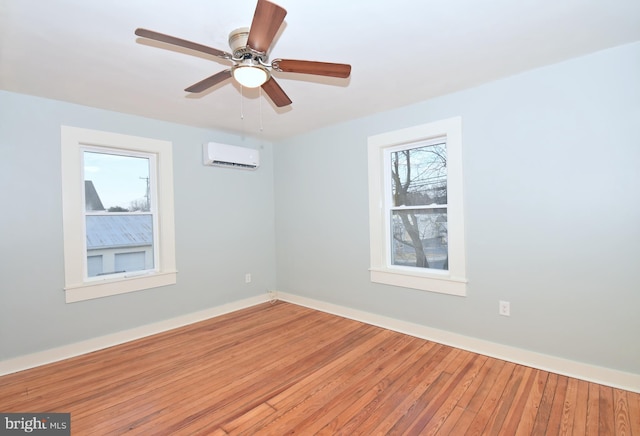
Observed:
{"x":230,"y":156}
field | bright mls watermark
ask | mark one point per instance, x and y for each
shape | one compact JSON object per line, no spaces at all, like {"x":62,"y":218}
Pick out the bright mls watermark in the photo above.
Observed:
{"x":42,"y":424}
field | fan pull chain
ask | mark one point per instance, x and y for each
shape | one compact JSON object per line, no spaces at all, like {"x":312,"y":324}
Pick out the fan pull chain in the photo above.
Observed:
{"x":260,"y":99}
{"x":241,"y":104}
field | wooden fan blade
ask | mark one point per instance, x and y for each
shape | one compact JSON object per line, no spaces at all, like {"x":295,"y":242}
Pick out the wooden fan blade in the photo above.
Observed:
{"x":150,"y":34}
{"x":266,"y":21}
{"x":210,"y":81}
{"x":275,"y":93}
{"x":312,"y":67}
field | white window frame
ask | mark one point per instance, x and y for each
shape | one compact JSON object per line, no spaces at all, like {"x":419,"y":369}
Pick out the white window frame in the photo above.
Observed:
{"x":452,"y":281}
{"x":78,"y":287}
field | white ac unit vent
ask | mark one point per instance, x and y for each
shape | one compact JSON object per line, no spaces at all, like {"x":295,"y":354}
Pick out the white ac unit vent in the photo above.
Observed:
{"x":230,"y":156}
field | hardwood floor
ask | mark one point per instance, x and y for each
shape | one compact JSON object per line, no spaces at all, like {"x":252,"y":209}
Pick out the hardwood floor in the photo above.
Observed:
{"x":278,"y":369}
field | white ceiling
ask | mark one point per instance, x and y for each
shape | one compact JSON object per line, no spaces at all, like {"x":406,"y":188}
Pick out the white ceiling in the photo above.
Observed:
{"x":401,"y":51}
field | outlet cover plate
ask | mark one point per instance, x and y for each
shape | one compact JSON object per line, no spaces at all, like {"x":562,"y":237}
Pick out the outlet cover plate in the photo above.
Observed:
{"x":504,"y":308}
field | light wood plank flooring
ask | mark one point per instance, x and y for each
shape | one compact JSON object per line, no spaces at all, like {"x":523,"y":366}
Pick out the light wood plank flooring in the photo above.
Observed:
{"x":277,"y":369}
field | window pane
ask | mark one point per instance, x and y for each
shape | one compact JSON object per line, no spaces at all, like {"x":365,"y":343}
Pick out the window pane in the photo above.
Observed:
{"x":419,"y":238}
{"x":117,"y":205}
{"x":112,"y":235}
{"x":134,"y":261}
{"x":419,"y":176}
{"x":116,"y":183}
{"x":94,"y":265}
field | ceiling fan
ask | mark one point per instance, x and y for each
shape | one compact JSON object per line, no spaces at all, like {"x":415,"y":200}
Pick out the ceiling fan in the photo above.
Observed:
{"x":249,"y":55}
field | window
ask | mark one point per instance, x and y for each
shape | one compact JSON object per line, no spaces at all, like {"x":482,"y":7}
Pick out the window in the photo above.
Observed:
{"x":120,"y":210}
{"x":415,"y":208}
{"x":117,"y":213}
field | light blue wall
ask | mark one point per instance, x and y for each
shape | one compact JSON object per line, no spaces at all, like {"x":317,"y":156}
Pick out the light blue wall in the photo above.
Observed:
{"x":552,"y":212}
{"x":224,"y":228}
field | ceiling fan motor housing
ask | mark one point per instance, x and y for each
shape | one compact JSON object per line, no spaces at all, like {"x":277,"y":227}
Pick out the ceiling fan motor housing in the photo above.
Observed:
{"x":238,"y":43}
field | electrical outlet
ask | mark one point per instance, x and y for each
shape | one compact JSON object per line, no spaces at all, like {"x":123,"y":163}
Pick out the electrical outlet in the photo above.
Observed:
{"x":504,"y":308}
{"x":247,"y":278}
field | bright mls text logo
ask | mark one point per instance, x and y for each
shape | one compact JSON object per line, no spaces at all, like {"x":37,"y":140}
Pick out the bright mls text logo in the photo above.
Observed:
{"x":35,"y":423}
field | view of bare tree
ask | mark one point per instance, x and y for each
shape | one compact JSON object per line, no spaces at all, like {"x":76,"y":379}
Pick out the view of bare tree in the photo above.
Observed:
{"x":419,"y":195}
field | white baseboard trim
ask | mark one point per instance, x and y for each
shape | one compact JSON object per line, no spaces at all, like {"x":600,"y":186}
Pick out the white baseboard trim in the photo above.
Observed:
{"x":558,"y":365}
{"x":66,"y":351}
{"x":570,"y":368}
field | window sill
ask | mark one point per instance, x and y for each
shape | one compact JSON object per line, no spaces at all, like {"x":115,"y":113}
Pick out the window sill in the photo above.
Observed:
{"x":105,"y":288}
{"x":424,"y":282}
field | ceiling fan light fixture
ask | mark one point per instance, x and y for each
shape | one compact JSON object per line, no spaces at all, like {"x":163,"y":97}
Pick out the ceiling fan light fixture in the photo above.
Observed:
{"x":250,"y":75}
